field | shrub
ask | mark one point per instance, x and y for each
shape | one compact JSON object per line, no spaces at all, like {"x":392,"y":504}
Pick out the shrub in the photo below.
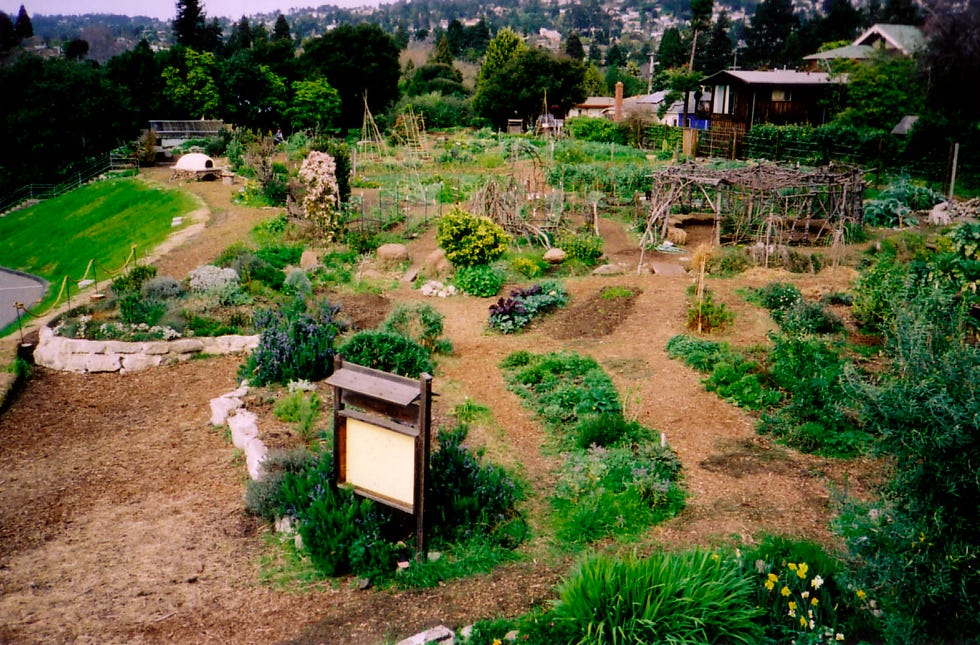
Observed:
{"x":294,"y":343}
{"x":480,"y":280}
{"x":211,"y":278}
{"x":777,"y":297}
{"x":132,"y":281}
{"x":161,"y":288}
{"x":809,"y":318}
{"x":731,"y":261}
{"x":469,"y":240}
{"x":420,"y":323}
{"x":516,"y":312}
{"x":528,"y":266}
{"x":297,"y":283}
{"x":263,"y":497}
{"x":388,"y":352}
{"x":251,"y":267}
{"x":584,"y":247}
{"x":596,"y":129}
{"x":134,"y":310}
{"x":466,"y":497}
{"x":691,"y":597}
{"x":280,"y":256}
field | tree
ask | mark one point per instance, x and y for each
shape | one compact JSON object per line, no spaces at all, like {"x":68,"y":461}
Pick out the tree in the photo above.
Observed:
{"x":615,"y":56}
{"x":443,"y":53}
{"x":593,"y":83}
{"x":8,"y":36}
{"x":671,"y":52}
{"x":768,"y":36}
{"x":193,"y":87}
{"x":718,"y":48}
{"x":879,"y":93}
{"x":505,"y":47}
{"x":952,"y":61}
{"x":137,"y":75}
{"x":573,"y":47}
{"x":906,"y":12}
{"x":841,"y":21}
{"x":253,"y":96}
{"x":315,"y":105}
{"x":76,"y":49}
{"x":360,"y":62}
{"x":435,"y":77}
{"x":281,"y":29}
{"x":23,"y":27}
{"x":518,"y":89}
{"x":456,"y":37}
{"x":240,"y":38}
{"x":189,"y":25}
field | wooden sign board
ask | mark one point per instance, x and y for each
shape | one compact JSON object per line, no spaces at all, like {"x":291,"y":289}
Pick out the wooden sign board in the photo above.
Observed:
{"x":381,"y":437}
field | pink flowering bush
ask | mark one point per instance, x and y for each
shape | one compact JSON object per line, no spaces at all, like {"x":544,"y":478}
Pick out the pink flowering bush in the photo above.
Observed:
{"x":321,"y":201}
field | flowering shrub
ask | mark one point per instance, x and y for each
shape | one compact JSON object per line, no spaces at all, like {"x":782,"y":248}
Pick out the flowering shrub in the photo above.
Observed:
{"x":799,"y":605}
{"x":321,"y":201}
{"x":209,"y":278}
{"x":469,"y":240}
{"x":82,"y":327}
{"x":294,"y":343}
{"x":516,"y":312}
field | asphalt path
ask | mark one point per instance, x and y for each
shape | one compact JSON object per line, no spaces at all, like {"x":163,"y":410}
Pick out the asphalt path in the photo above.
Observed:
{"x":18,"y":287}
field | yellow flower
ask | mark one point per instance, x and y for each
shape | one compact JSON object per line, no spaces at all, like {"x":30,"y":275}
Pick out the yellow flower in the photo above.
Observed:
{"x":792,"y":605}
{"x":785,"y":591}
{"x":814,"y":602}
{"x":861,"y":594}
{"x":805,"y":594}
{"x":817,"y":582}
{"x":802,"y":621}
{"x":769,"y":584}
{"x":802,"y":569}
{"x":839,"y":637}
{"x":773,"y":577}
{"x":715,"y":557}
{"x":497,"y":641}
{"x":792,"y":566}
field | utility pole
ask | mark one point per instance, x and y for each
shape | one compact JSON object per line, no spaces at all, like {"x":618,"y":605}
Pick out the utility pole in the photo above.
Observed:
{"x":653,"y":64}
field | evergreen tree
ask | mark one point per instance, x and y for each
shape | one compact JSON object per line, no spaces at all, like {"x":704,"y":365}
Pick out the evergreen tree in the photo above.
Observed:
{"x":841,"y":21}
{"x":23,"y":27}
{"x":76,"y":49}
{"x":593,"y":83}
{"x":189,"y":25}
{"x":573,"y":47}
{"x":240,"y":38}
{"x":718,"y":48}
{"x":442,"y":54}
{"x":671,"y":52}
{"x":281,"y":30}
{"x":7,"y":35}
{"x":898,"y":12}
{"x":768,"y":41}
{"x":615,"y":56}
{"x":504,"y":47}
{"x":595,"y":53}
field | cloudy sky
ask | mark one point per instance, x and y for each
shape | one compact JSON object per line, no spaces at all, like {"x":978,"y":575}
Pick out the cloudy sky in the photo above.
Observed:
{"x":166,"y":9}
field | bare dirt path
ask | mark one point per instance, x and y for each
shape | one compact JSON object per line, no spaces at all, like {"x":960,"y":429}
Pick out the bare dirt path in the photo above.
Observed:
{"x":121,"y":511}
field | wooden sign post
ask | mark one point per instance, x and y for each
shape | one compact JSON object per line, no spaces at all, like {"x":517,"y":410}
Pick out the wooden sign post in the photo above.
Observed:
{"x":381,"y":430}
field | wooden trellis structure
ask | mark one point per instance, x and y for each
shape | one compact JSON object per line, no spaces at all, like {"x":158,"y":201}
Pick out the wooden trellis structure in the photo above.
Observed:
{"x":765,"y":204}
{"x":522,"y":202}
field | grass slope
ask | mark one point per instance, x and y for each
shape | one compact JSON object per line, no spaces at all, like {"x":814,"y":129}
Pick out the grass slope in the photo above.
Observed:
{"x":101,"y":221}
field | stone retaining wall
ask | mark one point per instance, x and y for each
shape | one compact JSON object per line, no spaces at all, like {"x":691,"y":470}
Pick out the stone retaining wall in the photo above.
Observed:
{"x":85,"y":356}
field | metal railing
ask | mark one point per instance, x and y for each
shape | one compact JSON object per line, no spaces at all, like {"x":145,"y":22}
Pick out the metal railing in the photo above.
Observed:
{"x":76,"y":178}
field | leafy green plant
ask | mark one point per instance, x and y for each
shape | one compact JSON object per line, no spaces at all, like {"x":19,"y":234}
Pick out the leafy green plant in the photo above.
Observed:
{"x":609,"y":429}
{"x":295,"y":342}
{"x":301,"y":409}
{"x":161,"y":288}
{"x":528,"y":266}
{"x":706,"y":315}
{"x":777,"y":297}
{"x":583,"y":247}
{"x":132,"y":281}
{"x":420,"y":323}
{"x":388,"y":352}
{"x":469,"y":240}
{"x":689,"y":597}
{"x":615,"y":491}
{"x":135,"y":310}
{"x":480,"y":280}
{"x":297,"y":283}
{"x":263,"y":496}
{"x":511,"y":314}
{"x":809,"y":318}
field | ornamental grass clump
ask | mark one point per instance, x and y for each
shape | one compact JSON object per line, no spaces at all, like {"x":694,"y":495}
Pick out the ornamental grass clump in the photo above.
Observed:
{"x":691,"y":597}
{"x":295,"y":342}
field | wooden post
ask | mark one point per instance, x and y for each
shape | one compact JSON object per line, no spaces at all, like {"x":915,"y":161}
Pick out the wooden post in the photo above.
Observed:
{"x":952,"y":177}
{"x":422,"y":464}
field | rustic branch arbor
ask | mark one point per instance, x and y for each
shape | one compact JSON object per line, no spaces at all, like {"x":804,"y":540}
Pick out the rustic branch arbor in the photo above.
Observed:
{"x":767,"y":204}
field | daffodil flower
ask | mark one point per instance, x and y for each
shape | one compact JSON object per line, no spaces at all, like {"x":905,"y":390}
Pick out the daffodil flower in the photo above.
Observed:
{"x":785,"y":591}
{"x":817,"y":582}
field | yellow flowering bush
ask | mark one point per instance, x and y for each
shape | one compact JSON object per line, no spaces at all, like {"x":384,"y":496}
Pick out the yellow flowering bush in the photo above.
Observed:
{"x":469,"y":240}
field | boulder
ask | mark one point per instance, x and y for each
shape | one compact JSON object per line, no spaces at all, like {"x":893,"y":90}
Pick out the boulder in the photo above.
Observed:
{"x":390,"y":255}
{"x":308,"y":260}
{"x":244,"y":428}
{"x":102,"y":363}
{"x":438,"y":634}
{"x":939,"y":215}
{"x":138,"y":362}
{"x":609,"y":269}
{"x":255,"y":453}
{"x":122,"y":347}
{"x":555,"y":256}
{"x":436,"y":265}
{"x":221,"y":407}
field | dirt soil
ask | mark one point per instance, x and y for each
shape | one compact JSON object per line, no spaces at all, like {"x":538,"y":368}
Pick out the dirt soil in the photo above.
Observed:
{"x":121,"y":510}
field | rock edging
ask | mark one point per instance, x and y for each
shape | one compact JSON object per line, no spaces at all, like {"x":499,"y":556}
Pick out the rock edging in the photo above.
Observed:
{"x":89,"y":356}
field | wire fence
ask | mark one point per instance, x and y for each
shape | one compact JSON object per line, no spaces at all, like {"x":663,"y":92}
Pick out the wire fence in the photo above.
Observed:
{"x":33,"y":193}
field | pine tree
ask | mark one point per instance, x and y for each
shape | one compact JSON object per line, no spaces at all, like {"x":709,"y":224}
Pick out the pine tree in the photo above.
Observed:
{"x":442,"y":53}
{"x":23,"y":28}
{"x":189,"y":25}
{"x":573,"y":47}
{"x":281,"y":29}
{"x":7,"y":37}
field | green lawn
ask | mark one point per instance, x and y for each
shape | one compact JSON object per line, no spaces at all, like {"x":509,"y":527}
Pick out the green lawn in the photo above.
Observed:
{"x":101,"y":221}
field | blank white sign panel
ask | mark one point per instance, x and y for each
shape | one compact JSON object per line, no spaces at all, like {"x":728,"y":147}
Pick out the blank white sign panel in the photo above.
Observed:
{"x":381,"y":461}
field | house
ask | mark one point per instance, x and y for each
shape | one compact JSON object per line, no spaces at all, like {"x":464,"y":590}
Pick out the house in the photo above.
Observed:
{"x":592,"y":106}
{"x":740,"y":99}
{"x":896,"y":40}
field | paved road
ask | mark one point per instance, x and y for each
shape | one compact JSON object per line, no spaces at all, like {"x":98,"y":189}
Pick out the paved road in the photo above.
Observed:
{"x":18,"y":287}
